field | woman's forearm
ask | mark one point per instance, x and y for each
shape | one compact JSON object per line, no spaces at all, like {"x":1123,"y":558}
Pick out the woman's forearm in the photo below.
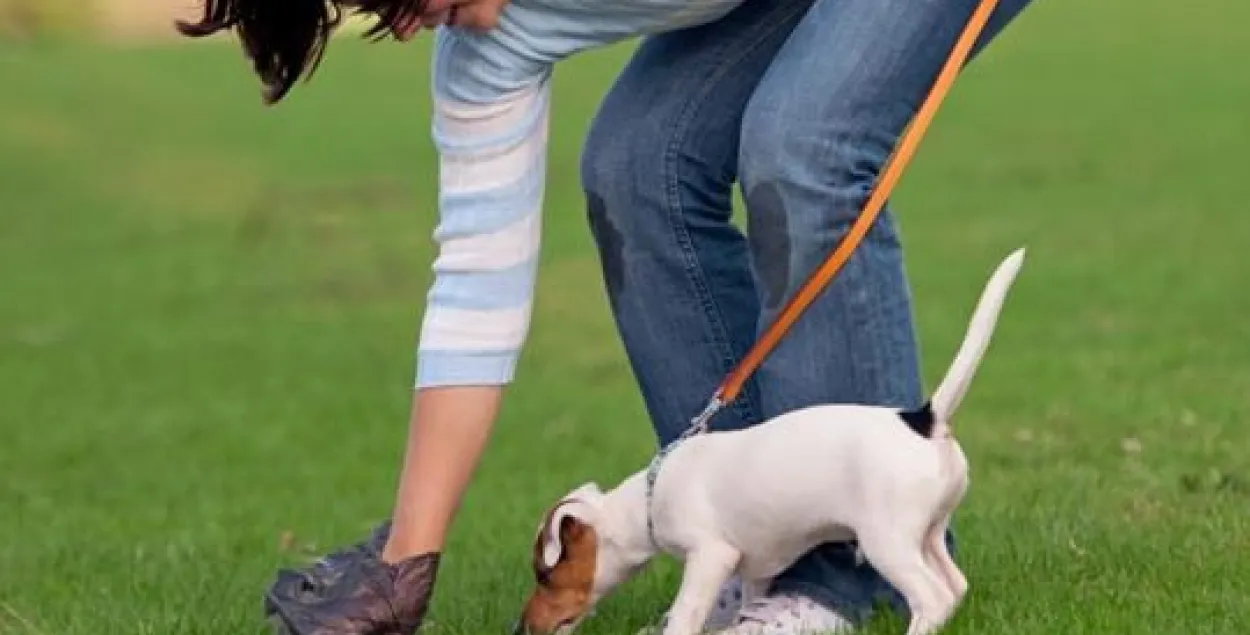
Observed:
{"x":491,"y":175}
{"x":448,"y":430}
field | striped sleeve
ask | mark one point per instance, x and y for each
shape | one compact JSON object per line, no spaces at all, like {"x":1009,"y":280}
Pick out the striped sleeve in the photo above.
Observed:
{"x":492,"y":163}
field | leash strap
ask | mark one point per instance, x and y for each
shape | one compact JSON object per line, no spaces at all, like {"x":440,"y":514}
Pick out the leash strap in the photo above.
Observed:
{"x":903,"y":152}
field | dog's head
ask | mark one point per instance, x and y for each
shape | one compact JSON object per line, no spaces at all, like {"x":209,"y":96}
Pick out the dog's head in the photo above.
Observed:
{"x":576,"y":562}
{"x":286,"y":39}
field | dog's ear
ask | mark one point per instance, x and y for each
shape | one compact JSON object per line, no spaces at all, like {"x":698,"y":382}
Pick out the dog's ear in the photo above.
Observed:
{"x":569,"y":515}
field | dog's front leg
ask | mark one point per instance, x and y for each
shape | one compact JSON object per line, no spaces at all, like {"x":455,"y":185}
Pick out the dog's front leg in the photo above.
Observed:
{"x":707,"y":568}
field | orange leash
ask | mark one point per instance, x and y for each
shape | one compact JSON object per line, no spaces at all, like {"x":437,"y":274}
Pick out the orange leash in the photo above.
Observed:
{"x":903,"y":152}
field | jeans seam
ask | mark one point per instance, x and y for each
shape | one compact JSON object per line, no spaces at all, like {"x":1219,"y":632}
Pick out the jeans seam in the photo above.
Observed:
{"x":694,"y":271}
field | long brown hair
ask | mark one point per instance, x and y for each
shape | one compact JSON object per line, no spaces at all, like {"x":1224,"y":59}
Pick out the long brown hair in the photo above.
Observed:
{"x":286,"y":39}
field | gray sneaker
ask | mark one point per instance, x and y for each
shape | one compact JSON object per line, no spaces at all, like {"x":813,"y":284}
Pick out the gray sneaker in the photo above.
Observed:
{"x":784,"y":614}
{"x":723,"y":615}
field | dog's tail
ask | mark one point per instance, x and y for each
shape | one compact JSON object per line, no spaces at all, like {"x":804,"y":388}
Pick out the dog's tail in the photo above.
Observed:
{"x":976,"y":340}
{"x":955,"y":384}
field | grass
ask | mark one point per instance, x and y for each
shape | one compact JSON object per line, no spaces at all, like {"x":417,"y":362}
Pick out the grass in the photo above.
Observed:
{"x":207,"y":314}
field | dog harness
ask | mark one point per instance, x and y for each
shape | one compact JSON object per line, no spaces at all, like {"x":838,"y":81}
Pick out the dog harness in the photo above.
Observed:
{"x":653,"y":474}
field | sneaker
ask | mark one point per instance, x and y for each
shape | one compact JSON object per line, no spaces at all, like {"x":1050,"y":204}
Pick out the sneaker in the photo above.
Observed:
{"x":353,"y":592}
{"x":723,"y":615}
{"x":785,"y":614}
{"x":728,"y":603}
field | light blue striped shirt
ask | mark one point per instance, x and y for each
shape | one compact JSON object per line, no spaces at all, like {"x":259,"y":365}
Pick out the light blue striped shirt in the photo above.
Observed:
{"x":491,"y":96}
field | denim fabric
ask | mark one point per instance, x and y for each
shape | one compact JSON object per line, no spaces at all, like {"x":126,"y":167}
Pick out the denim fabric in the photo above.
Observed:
{"x":801,"y":102}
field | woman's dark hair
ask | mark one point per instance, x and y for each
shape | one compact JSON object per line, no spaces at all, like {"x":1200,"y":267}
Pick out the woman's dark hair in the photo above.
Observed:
{"x":286,"y":39}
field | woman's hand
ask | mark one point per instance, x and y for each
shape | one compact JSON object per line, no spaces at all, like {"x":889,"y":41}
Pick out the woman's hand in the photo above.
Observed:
{"x":478,"y":15}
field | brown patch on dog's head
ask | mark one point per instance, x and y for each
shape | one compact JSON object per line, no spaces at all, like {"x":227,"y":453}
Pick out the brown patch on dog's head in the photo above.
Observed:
{"x":564,"y":561}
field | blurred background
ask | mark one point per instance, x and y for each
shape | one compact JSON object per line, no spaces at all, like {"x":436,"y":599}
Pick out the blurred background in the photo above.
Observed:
{"x":123,"y":19}
{"x":208,"y":310}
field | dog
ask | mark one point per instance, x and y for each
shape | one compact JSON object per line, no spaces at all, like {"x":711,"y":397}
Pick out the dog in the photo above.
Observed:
{"x":751,"y":502}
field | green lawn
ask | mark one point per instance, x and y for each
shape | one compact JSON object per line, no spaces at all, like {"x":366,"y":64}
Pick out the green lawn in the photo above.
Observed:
{"x":208,"y":310}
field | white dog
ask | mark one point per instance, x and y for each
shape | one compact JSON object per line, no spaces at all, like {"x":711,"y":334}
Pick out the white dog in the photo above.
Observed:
{"x":751,"y":502}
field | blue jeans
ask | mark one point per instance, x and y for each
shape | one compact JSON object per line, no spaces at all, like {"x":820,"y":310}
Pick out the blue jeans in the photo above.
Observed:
{"x":801,"y":101}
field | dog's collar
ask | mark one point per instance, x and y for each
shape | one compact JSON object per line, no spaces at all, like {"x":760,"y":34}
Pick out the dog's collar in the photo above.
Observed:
{"x":653,"y":474}
{"x":698,"y":426}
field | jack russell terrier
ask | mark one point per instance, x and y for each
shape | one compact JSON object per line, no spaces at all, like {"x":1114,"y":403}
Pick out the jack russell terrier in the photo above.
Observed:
{"x":751,"y":502}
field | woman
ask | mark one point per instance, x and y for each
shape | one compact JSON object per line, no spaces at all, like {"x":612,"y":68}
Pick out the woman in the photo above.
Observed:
{"x":814,"y":91}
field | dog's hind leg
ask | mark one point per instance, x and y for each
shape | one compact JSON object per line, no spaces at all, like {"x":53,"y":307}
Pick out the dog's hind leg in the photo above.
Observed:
{"x":705,"y":571}
{"x":899,"y":557}
{"x":940,"y":560}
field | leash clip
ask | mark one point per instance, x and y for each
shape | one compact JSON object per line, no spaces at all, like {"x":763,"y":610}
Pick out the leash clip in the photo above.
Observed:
{"x":700,"y":423}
